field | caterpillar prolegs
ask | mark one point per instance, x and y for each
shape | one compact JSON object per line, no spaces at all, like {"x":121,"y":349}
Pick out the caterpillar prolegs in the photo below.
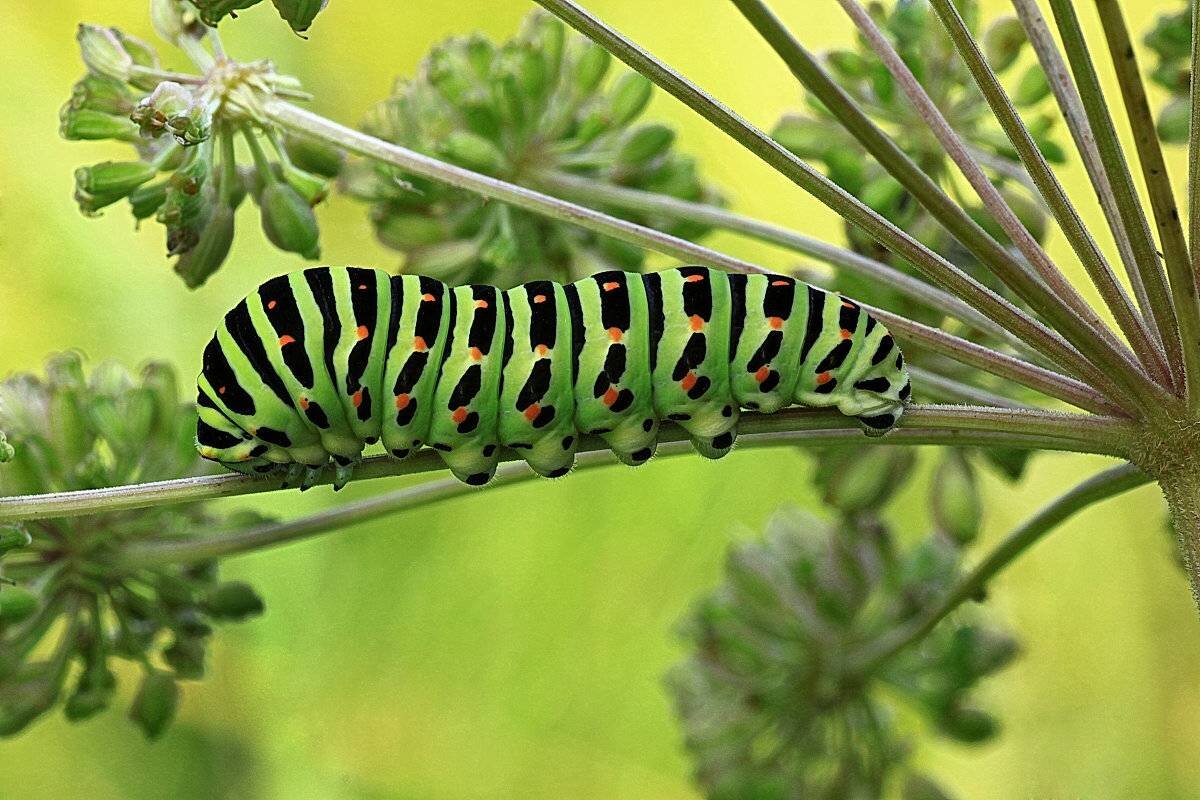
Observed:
{"x":318,"y":363}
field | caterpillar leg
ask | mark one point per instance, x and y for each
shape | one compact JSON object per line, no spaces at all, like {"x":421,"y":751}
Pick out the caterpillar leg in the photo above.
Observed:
{"x":715,"y":446}
{"x":634,"y":440}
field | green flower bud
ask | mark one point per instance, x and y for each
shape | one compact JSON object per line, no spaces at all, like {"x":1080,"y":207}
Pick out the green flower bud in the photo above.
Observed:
{"x":12,"y":536}
{"x":155,"y":704}
{"x":314,"y":156}
{"x":101,"y":93}
{"x":806,"y":137}
{"x":1003,"y":42}
{"x":288,"y":220}
{"x":406,"y":231}
{"x":1175,"y":121}
{"x":590,"y":67}
{"x":174,"y":109}
{"x":847,"y":64}
{"x":86,"y":124}
{"x":93,"y":694}
{"x":175,"y":21}
{"x":147,"y":199}
{"x":6,"y":449}
{"x":16,"y":604}
{"x":629,"y":98}
{"x":313,"y":188}
{"x":644,"y":144}
{"x":190,"y":202}
{"x":1033,"y":87}
{"x":957,"y":507}
{"x":474,"y":152}
{"x":186,"y":657}
{"x":968,"y":725}
{"x":210,"y":251}
{"x":444,"y":260}
{"x":103,"y":52}
{"x":233,"y":600}
{"x":212,"y":11}
{"x":299,"y":14}
{"x":28,"y":697}
{"x":103,"y":184}
{"x":856,"y":479}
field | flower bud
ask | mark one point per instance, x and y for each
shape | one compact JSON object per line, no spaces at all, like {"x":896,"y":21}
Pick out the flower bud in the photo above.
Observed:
{"x":103,"y":52}
{"x":1175,"y":121}
{"x":957,"y":507}
{"x":313,"y":188}
{"x":86,"y":124}
{"x":406,"y":231}
{"x":299,"y":14}
{"x":105,"y":183}
{"x":233,"y":600}
{"x":211,"y":249}
{"x":173,"y":109}
{"x":155,"y":704}
{"x":6,"y":449}
{"x":1033,"y":87}
{"x":175,"y":20}
{"x":314,"y":156}
{"x":847,"y":64}
{"x":968,"y":725}
{"x":12,"y":536}
{"x":145,"y":200}
{"x":190,"y":202}
{"x":288,"y":220}
{"x":590,"y":67}
{"x":16,"y":604}
{"x":186,"y":657}
{"x":857,"y":479}
{"x":1003,"y":41}
{"x":211,"y":11}
{"x":93,"y":694}
{"x":644,"y":144}
{"x":629,"y":98}
{"x":443,"y":260}
{"x":474,"y":152}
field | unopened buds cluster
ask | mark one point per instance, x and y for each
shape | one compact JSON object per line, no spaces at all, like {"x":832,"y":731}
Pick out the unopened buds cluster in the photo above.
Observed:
{"x":186,"y":174}
{"x":70,"y":607}
{"x":1171,"y":41}
{"x":774,"y":700}
{"x":926,"y":48}
{"x":539,"y":105}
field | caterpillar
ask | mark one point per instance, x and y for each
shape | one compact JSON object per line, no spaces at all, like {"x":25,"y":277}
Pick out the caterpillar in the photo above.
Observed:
{"x":316,"y":364}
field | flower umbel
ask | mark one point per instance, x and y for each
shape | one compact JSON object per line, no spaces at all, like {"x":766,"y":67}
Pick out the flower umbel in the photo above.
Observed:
{"x":71,"y":614}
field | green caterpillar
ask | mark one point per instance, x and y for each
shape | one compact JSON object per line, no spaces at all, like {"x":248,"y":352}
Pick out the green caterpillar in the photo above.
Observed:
{"x":318,"y":363}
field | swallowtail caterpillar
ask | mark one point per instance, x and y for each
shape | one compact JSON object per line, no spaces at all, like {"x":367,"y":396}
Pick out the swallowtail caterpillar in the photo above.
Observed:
{"x":318,"y":363}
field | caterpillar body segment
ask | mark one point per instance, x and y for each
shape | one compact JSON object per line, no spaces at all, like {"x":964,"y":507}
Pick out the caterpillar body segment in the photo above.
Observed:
{"x":316,"y":364}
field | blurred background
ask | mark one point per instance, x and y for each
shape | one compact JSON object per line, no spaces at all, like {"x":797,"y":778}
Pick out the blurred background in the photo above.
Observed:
{"x":512,"y":643}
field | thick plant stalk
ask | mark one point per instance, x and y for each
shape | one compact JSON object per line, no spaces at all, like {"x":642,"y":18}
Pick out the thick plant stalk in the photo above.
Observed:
{"x":1094,"y":338}
{"x":960,"y":425}
{"x":1107,"y":374}
{"x":1151,"y":290}
{"x":1118,"y":302}
{"x":1182,"y":284}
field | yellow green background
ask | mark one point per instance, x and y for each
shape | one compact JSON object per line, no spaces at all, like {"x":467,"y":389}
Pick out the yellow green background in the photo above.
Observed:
{"x":511,"y":644}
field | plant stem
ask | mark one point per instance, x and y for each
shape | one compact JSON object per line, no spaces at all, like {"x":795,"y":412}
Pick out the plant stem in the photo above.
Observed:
{"x":574,"y":187}
{"x":1099,"y":487}
{"x":960,"y":425}
{"x":1151,"y":290}
{"x":1182,"y":287}
{"x":1048,"y":342}
{"x":1115,"y":298}
{"x":932,"y":384}
{"x":1070,"y":312}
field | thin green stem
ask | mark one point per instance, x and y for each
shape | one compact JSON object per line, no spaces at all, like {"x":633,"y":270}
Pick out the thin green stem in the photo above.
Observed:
{"x":962,"y":425}
{"x":1154,"y":167}
{"x":1099,"y":487}
{"x":1048,"y":342}
{"x":936,"y":386}
{"x":1182,"y":287}
{"x":1154,"y":298}
{"x":1115,"y":298}
{"x":1193,"y":191}
{"x":1070,"y":312}
{"x":575,"y":187}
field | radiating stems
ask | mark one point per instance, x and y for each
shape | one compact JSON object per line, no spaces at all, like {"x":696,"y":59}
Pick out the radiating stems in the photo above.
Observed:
{"x":1099,"y":487}
{"x":571,"y":186}
{"x":1065,"y":307}
{"x":1193,"y":191}
{"x":963,"y":425}
{"x":932,"y":385}
{"x":1051,"y":190}
{"x":1182,"y":290}
{"x":1145,"y":287}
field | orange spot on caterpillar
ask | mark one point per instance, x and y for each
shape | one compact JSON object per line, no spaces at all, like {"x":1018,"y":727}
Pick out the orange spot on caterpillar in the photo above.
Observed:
{"x":362,"y":332}
{"x":285,"y":340}
{"x":694,"y":278}
{"x":481,"y":303}
{"x":419,"y":344}
{"x":476,"y":354}
{"x":271,"y":305}
{"x":532,"y":412}
{"x":610,"y":396}
{"x":357,"y":398}
{"x":303,"y":403}
{"x":779,"y":283}
{"x":688,"y":381}
{"x":611,"y":285}
{"x":697,"y":322}
{"x":459,"y":415}
{"x":775,"y":322}
{"x":427,"y":298}
{"x":221,"y":390}
{"x":846,"y":334}
{"x":402,"y":402}
{"x":542,"y":350}
{"x":848,"y":304}
{"x":823,"y":378}
{"x":362,"y":286}
{"x":615,"y":334}
{"x":539,"y":298}
{"x":762,"y":374}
